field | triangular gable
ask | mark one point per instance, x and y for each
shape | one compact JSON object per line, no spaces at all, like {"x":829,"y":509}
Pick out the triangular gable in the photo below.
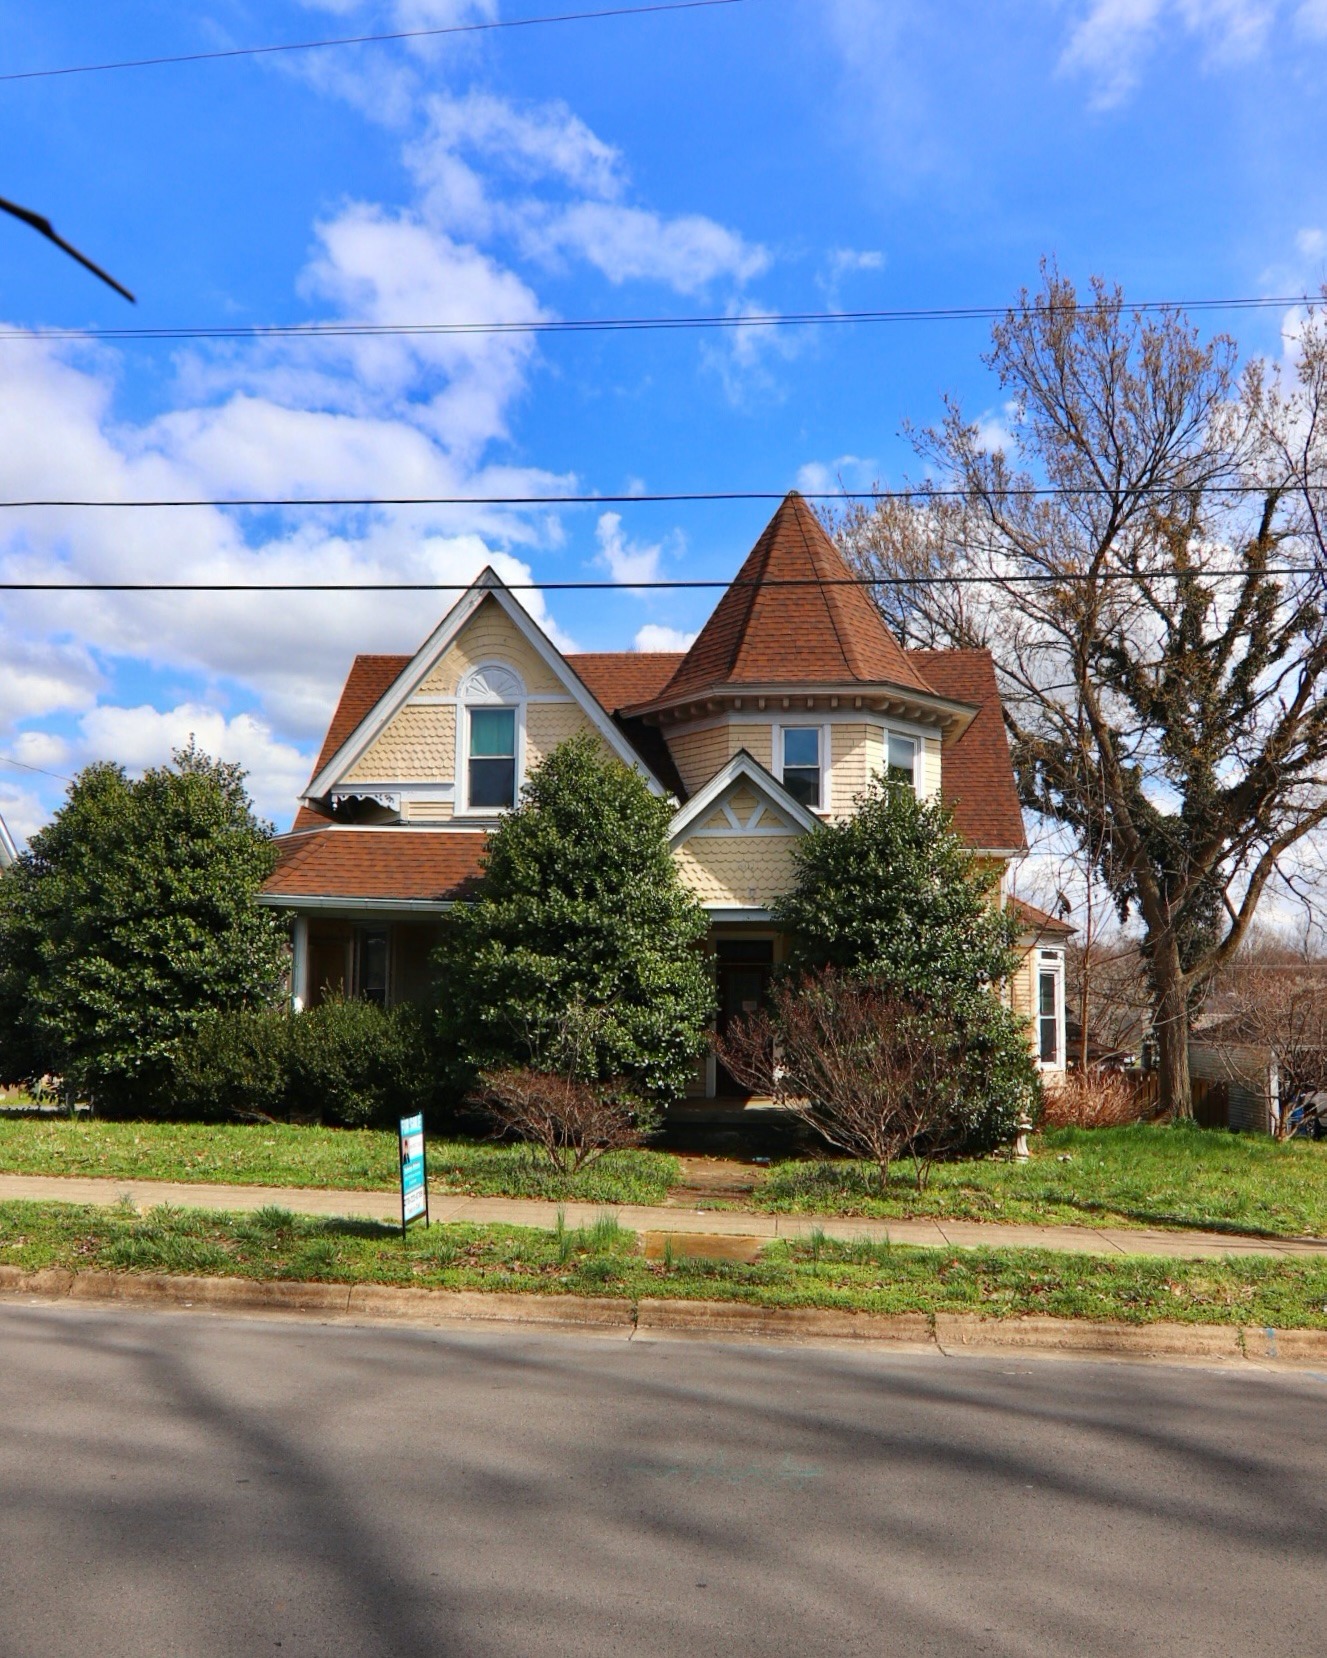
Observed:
{"x":768,"y":810}
{"x":489,"y":585}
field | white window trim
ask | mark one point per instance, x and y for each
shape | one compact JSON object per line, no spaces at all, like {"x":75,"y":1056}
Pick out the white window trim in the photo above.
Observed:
{"x":1042,"y":964}
{"x":464,"y":704}
{"x":777,"y":730}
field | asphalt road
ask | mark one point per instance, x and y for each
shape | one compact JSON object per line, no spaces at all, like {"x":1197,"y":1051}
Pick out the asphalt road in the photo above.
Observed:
{"x":186,"y":1484}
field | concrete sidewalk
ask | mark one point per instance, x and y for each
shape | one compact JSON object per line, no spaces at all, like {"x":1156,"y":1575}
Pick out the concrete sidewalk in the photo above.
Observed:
{"x":733,"y":1223}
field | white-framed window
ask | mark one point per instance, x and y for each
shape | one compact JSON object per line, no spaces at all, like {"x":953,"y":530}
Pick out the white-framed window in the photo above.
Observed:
{"x":1050,"y":1009}
{"x":901,"y":757}
{"x":490,"y":739}
{"x":801,"y":756}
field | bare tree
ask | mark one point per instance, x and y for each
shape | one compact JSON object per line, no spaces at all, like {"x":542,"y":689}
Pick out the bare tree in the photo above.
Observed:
{"x":868,"y":1072}
{"x":1147,"y":564}
{"x":572,"y":1122}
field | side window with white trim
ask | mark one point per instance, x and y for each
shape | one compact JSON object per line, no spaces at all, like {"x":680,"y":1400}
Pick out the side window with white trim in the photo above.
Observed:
{"x":901,"y":760}
{"x":801,"y":763}
{"x":1048,"y":1016}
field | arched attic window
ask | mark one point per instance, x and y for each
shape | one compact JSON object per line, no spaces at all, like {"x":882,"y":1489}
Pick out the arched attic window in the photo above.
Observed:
{"x":491,"y":736}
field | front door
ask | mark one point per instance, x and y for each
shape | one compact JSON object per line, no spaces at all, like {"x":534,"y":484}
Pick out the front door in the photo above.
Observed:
{"x":744,"y":969}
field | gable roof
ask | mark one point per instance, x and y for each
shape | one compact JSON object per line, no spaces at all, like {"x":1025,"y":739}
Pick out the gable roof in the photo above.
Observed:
{"x":620,"y":679}
{"x":1038,"y":921}
{"x":489,"y":586}
{"x":743,"y":766}
{"x":369,"y":679}
{"x":977,"y":778}
{"x":765,"y":631}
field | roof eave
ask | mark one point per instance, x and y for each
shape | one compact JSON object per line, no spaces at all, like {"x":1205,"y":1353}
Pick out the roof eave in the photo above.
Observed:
{"x":956,"y":715}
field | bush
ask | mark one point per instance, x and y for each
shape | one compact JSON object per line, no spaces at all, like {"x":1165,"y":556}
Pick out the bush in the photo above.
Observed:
{"x":581,"y":917}
{"x":357,"y":1066}
{"x":133,"y":915}
{"x":1093,"y":1099}
{"x":233,"y":1065}
{"x":348,"y":1063}
{"x":893,"y":898}
{"x":571,"y":1122}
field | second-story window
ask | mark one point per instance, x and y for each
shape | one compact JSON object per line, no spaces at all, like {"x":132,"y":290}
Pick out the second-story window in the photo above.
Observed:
{"x":491,"y":784}
{"x":801,"y":763}
{"x":901,"y":760}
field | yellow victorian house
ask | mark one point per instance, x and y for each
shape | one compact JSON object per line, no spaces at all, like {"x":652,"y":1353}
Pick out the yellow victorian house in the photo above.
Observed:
{"x":792,"y":697}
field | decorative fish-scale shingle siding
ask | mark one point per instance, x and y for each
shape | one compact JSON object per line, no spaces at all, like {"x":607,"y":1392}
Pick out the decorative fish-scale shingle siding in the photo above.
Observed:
{"x":490,"y":636}
{"x":549,"y":723}
{"x":418,"y":746}
{"x":699,"y":754}
{"x":737,"y":872}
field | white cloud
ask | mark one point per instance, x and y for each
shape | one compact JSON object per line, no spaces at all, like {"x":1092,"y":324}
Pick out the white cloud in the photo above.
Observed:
{"x":21,"y":809}
{"x":1312,"y":243}
{"x":994,"y":429}
{"x":654,"y":637}
{"x":627,"y":561}
{"x":140,"y":737}
{"x":847,"y":472}
{"x":1110,"y":42}
{"x":583,"y":217}
{"x":630,"y":244}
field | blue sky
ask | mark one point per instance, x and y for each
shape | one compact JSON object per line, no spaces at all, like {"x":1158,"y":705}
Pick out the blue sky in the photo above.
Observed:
{"x":765,"y":156}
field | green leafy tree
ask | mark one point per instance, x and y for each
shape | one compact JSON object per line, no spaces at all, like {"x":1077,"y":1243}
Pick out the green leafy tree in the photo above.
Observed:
{"x":893,"y":898}
{"x":582,"y":953}
{"x":130,"y":917}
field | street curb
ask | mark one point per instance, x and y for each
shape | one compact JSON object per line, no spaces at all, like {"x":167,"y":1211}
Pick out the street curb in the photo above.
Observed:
{"x":948,"y":1333}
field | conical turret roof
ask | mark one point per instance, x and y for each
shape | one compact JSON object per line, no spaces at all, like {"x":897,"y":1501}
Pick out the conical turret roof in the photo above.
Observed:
{"x":784,"y":622}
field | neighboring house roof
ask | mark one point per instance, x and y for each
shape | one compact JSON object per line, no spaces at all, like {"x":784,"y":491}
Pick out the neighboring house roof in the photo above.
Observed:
{"x":977,"y":779}
{"x":396,"y":865}
{"x":1038,"y":921}
{"x":808,"y":633}
{"x":8,"y":850}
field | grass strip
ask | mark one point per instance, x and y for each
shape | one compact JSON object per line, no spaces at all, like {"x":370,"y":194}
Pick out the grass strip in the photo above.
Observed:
{"x":604,"y":1260}
{"x":342,"y":1159}
{"x":1147,"y":1175}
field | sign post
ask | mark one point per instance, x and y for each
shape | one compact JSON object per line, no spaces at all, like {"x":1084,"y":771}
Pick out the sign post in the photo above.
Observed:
{"x":414,"y":1172}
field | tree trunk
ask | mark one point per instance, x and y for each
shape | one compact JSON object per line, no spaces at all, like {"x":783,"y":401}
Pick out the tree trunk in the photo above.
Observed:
{"x":1171,"y":1015}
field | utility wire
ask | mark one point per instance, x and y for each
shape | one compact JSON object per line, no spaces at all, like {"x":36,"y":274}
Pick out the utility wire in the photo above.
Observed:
{"x":1030,"y":579}
{"x":9,"y":760}
{"x":681,"y":497}
{"x":363,"y":40}
{"x":627,"y":325}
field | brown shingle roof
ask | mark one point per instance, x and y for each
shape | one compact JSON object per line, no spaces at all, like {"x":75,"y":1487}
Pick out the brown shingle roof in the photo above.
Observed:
{"x":762,"y":634}
{"x":1037,"y":921}
{"x":977,"y":778}
{"x":404,"y":864}
{"x":620,"y":679}
{"x":369,"y":678}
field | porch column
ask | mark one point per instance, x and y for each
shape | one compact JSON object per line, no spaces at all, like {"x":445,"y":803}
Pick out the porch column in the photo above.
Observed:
{"x":299,"y":964}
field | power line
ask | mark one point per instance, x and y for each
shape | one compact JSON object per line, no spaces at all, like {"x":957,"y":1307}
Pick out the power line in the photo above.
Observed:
{"x":9,"y":760}
{"x":674,"y":498}
{"x":1038,"y":578}
{"x":627,"y":325}
{"x":364,"y":40}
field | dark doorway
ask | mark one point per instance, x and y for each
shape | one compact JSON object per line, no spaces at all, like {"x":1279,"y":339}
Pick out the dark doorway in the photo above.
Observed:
{"x":744,"y":969}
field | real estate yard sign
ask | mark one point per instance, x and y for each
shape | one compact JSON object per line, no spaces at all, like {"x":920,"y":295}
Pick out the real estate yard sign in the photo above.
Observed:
{"x":414,"y":1172}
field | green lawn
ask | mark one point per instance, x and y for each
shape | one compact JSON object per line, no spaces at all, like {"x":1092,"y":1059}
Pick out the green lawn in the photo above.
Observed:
{"x":262,"y":1154}
{"x":604,"y":1261}
{"x":1147,"y":1175}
